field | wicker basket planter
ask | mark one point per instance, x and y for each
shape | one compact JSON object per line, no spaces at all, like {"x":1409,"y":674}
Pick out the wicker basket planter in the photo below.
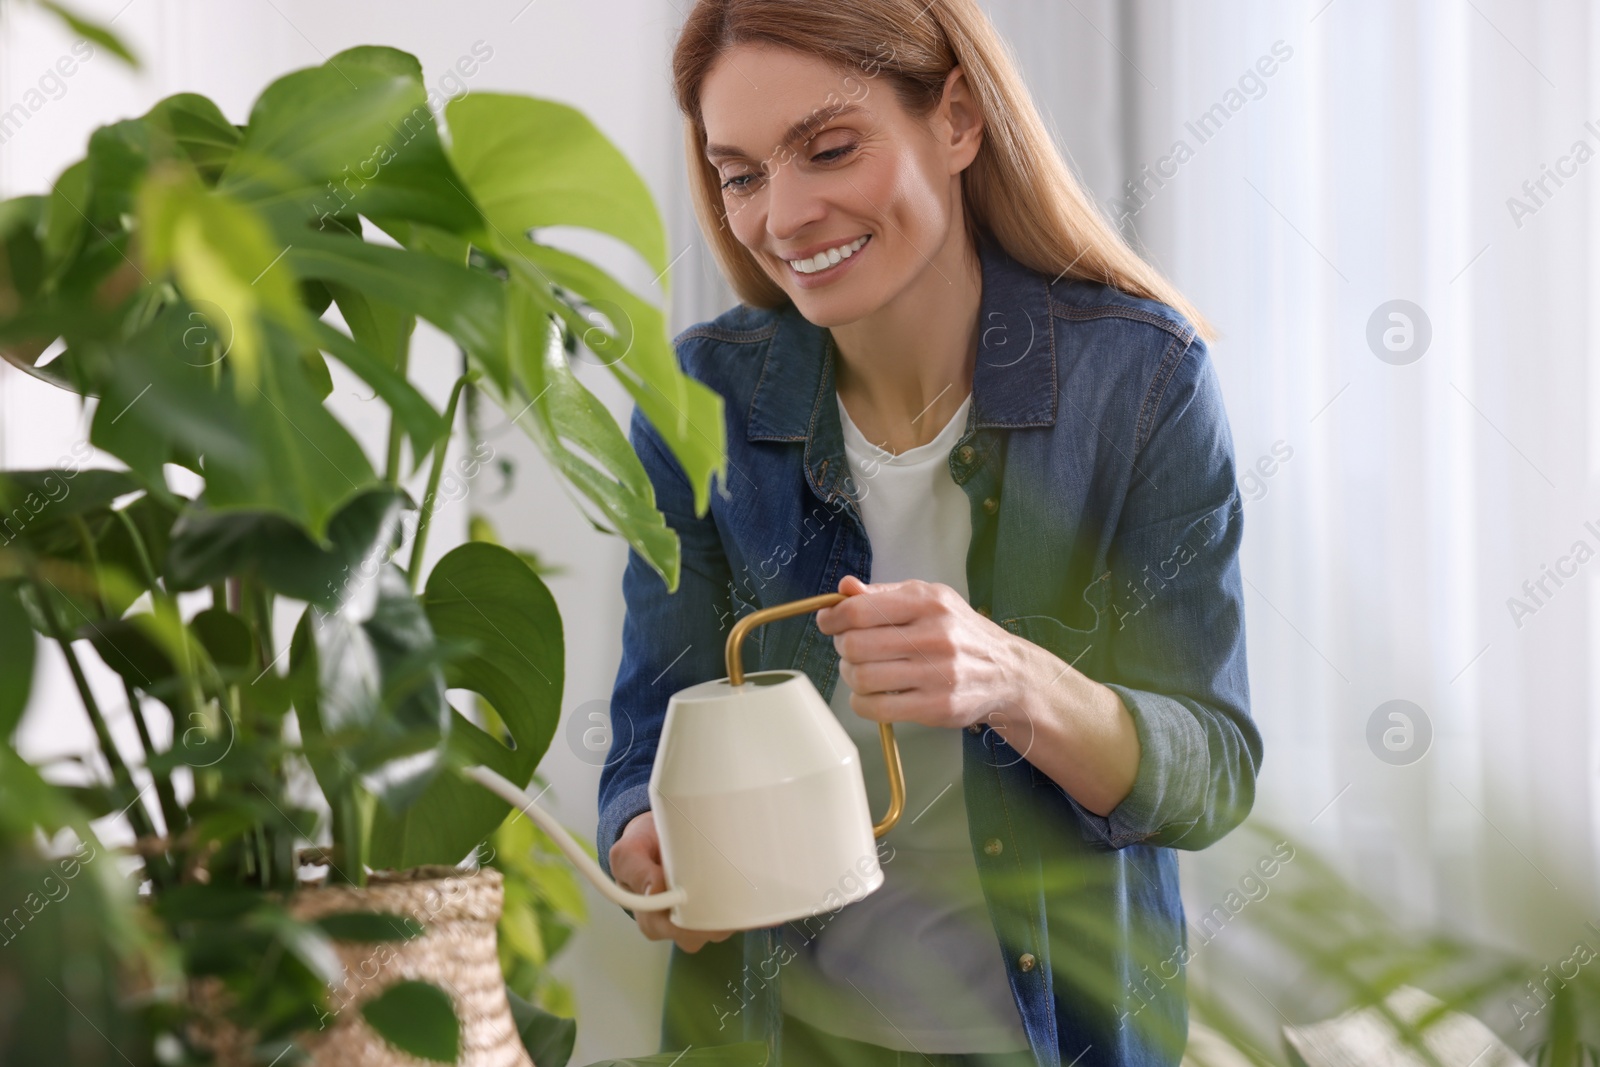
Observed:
{"x":458,"y":910}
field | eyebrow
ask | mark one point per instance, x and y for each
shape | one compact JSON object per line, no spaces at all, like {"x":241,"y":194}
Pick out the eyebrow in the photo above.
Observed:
{"x":795,"y":132}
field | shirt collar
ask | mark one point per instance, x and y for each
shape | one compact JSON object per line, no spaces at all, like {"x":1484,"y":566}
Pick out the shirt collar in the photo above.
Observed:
{"x":1013,"y":379}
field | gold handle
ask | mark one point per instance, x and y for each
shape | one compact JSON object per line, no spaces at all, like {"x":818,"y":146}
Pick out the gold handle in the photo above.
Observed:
{"x":891,"y":751}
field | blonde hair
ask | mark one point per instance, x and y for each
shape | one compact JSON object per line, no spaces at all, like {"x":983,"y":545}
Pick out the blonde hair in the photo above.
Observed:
{"x":1018,"y":187}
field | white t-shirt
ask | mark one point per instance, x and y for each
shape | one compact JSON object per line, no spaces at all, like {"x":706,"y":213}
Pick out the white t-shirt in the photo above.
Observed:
{"x":916,"y":965}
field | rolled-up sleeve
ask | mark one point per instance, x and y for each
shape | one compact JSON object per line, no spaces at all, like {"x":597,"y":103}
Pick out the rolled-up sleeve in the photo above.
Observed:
{"x":669,"y":640}
{"x":1177,"y":639}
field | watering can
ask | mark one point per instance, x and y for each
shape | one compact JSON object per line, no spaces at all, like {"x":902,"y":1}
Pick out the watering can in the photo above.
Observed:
{"x":758,"y":797}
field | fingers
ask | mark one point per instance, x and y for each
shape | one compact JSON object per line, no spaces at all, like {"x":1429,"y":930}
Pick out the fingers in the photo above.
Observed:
{"x":657,"y":926}
{"x":882,"y":675}
{"x":633,"y":868}
{"x":883,"y":604}
{"x":636,"y":866}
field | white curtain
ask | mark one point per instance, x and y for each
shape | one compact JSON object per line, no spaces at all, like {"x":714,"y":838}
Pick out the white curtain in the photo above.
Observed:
{"x":1341,"y":156}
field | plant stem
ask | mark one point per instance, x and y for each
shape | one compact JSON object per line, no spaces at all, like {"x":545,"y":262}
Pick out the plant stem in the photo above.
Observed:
{"x":135,"y":708}
{"x":256,"y":603}
{"x":172,"y":813}
{"x":140,"y":550}
{"x":433,"y":480}
{"x":119,"y":769}
{"x":137,"y":816}
{"x":391,"y":470}
{"x":262,"y":601}
{"x":89,"y":553}
{"x":352,"y":826}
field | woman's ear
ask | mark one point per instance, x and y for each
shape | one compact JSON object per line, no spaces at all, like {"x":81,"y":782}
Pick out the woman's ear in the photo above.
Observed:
{"x":961,"y":120}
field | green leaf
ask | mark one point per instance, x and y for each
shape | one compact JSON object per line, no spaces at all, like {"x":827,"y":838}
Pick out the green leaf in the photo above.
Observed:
{"x":64,"y":220}
{"x":317,"y":374}
{"x":380,"y":58}
{"x":67,"y":921}
{"x":548,"y":1038}
{"x":119,"y":155}
{"x":223,"y":255}
{"x":22,"y":268}
{"x":305,"y":941}
{"x":284,"y":452}
{"x":157,"y":408}
{"x":47,"y":498}
{"x":556,"y":408}
{"x":152,"y":520}
{"x":16,"y":666}
{"x":486,"y":595}
{"x":416,"y":1017}
{"x":355,"y":134}
{"x":377,"y":354}
{"x":226,"y":638}
{"x":197,"y":130}
{"x":383,"y":329}
{"x":430,"y":239}
{"x":127,"y":648}
{"x":532,"y":163}
{"x":370,"y":927}
{"x":639,"y":354}
{"x":314,"y":465}
{"x":209,"y":545}
{"x":519,"y":157}
{"x":467,"y":304}
{"x":94,"y":31}
{"x":377,"y":706}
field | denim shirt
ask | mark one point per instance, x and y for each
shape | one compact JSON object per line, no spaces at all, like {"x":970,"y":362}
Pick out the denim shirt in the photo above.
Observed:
{"x":1106,"y":523}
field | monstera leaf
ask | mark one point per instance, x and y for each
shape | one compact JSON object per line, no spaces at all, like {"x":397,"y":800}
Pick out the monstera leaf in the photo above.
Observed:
{"x":486,"y":595}
{"x":361,"y":123}
{"x":209,"y":545}
{"x":373,"y":708}
{"x":517,"y":157}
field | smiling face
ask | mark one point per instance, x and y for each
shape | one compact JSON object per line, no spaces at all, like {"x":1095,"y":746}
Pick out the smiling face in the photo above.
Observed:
{"x":815,"y":161}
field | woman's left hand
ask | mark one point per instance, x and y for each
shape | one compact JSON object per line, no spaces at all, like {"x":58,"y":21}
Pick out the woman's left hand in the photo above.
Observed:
{"x":916,"y":651}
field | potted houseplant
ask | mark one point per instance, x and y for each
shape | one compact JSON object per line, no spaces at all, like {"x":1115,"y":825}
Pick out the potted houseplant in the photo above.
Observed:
{"x":1316,"y":945}
{"x":194,"y":276}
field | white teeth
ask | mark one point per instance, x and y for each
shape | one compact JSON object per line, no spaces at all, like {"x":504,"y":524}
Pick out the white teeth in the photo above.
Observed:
{"x":824,"y":260}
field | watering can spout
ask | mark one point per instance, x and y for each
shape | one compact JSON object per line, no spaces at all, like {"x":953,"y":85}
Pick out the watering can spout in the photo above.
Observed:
{"x":520,"y":800}
{"x":761,"y":808}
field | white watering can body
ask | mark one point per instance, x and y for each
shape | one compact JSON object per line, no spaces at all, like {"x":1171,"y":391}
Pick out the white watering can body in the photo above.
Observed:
{"x":758,"y":796}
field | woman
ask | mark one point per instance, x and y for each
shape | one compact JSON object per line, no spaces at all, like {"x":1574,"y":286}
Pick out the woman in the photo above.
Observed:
{"x":948,"y":375}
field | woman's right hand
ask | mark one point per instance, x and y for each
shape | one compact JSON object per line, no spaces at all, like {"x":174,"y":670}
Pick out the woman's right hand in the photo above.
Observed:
{"x":636,"y":866}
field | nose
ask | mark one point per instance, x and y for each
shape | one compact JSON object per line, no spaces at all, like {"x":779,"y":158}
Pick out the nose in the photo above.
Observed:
{"x":792,"y":203}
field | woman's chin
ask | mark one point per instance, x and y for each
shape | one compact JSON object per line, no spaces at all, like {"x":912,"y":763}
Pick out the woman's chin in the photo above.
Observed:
{"x":831,"y":309}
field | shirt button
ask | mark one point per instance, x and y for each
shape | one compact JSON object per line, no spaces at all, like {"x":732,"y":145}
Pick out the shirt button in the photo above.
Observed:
{"x":964,"y":453}
{"x":991,"y":505}
{"x":975,"y":728}
{"x":983,"y":609}
{"x":993,"y":846}
{"x":1026,"y":961}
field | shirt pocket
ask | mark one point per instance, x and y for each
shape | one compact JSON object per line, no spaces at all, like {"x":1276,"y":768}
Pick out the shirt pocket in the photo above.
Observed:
{"x":1080,"y":646}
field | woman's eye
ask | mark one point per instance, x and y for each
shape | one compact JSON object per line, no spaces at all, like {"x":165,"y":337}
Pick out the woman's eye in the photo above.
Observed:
{"x":742,"y":182}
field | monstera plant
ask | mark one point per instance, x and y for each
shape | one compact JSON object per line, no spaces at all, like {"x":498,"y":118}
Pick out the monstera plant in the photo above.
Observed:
{"x":191,"y":279}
